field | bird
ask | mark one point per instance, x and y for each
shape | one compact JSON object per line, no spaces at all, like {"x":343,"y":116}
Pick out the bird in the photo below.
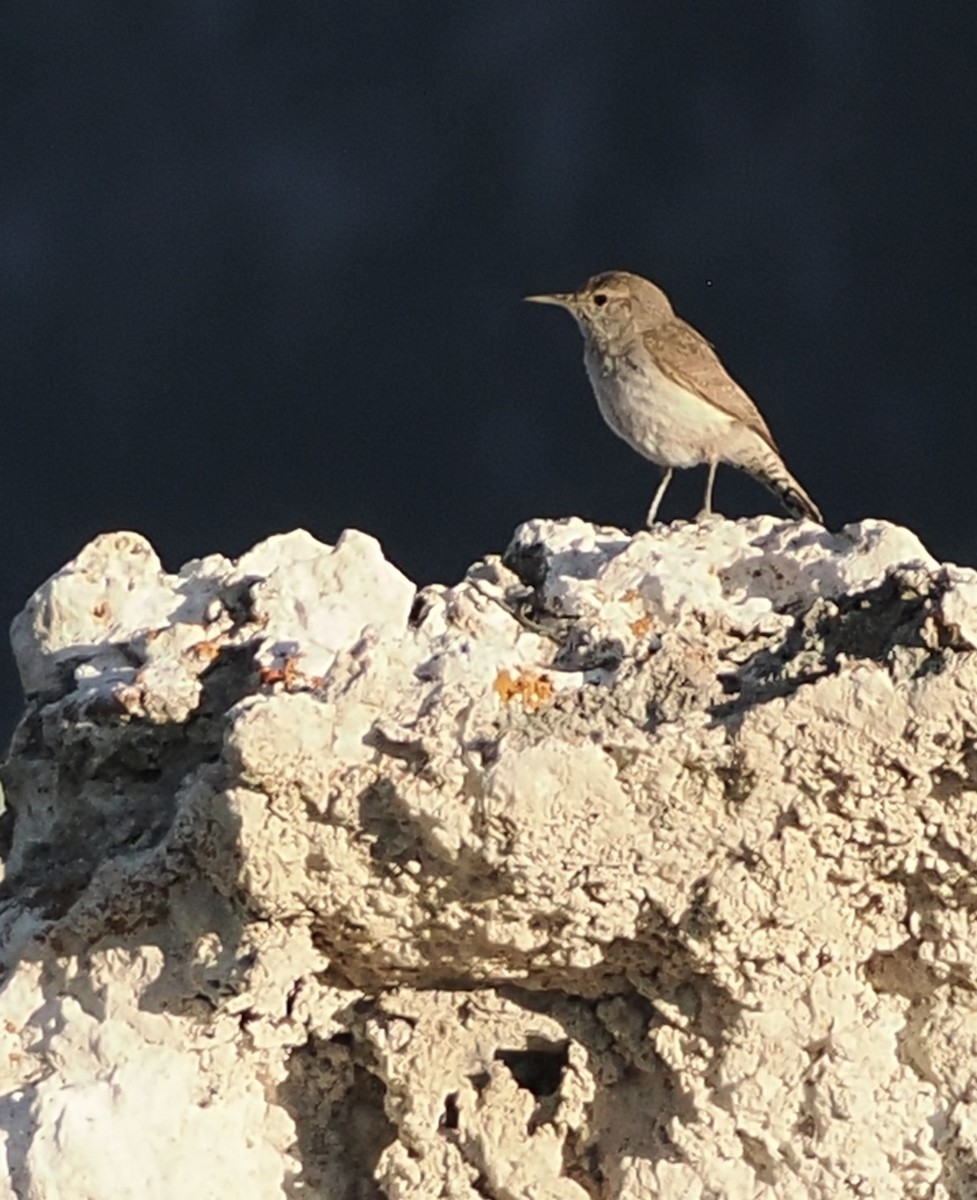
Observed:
{"x":661,"y":387}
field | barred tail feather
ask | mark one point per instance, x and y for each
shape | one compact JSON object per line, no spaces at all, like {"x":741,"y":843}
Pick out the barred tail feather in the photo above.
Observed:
{"x":772,"y":473}
{"x":797,"y":502}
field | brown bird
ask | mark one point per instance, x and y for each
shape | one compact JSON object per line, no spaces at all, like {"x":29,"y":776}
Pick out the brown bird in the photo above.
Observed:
{"x":662,"y":388}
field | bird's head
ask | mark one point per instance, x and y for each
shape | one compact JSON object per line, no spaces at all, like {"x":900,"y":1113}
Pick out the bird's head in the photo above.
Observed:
{"x":609,"y":307}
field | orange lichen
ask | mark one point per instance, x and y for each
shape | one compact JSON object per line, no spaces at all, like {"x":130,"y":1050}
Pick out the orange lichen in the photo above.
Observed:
{"x":641,"y":626}
{"x":204,"y":651}
{"x":532,"y":689}
{"x":290,"y":676}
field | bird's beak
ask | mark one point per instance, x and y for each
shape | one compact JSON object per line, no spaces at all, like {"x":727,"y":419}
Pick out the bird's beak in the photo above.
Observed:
{"x":560,"y":299}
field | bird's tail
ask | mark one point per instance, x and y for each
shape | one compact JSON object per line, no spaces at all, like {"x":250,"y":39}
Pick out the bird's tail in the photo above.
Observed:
{"x":769,"y":470}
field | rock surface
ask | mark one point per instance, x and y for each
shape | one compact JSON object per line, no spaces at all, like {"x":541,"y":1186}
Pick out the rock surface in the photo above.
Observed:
{"x":627,"y":867}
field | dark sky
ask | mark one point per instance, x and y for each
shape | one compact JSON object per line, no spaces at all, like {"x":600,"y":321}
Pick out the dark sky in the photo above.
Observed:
{"x":260,"y":263}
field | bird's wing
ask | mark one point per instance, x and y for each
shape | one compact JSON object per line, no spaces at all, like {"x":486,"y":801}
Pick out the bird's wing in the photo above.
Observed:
{"x":685,"y":356}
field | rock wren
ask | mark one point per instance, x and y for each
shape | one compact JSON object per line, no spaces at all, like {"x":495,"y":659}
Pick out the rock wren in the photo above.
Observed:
{"x":660,"y":386}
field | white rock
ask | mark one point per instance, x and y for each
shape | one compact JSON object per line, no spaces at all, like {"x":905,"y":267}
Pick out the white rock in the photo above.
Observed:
{"x":632,"y":866}
{"x":114,"y":587}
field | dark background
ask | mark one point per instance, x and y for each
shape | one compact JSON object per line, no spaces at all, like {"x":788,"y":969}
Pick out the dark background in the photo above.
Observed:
{"x":260,"y":263}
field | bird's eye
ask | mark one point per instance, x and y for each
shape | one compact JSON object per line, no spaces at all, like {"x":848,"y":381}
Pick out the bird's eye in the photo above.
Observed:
{"x":600,"y":299}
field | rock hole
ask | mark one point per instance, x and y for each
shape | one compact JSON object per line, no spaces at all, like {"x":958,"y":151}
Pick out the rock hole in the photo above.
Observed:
{"x":539,"y":1069}
{"x":449,"y":1119}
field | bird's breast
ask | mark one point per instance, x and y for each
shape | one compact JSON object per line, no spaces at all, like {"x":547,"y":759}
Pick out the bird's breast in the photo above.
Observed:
{"x":661,"y":420}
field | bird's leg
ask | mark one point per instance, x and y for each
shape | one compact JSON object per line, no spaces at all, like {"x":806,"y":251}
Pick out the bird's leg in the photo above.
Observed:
{"x":657,"y":498}
{"x":707,"y":503}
